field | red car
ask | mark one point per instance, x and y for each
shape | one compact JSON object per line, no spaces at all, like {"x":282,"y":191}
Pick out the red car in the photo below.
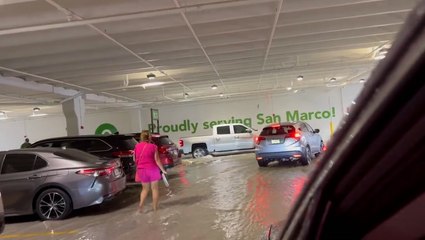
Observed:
{"x":168,"y":151}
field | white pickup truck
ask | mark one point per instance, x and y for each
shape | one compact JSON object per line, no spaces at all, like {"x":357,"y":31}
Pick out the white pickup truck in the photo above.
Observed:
{"x":225,"y":138}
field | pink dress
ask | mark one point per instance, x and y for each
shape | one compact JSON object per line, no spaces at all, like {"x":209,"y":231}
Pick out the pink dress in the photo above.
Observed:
{"x":147,"y":170}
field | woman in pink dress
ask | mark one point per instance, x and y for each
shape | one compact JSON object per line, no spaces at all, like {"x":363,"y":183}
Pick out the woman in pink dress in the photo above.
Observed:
{"x":149,"y":168}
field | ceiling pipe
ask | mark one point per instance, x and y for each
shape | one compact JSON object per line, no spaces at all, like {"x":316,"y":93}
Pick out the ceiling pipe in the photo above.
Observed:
{"x":44,"y":87}
{"x":123,"y":17}
{"x":269,"y":45}
{"x":70,"y":13}
{"x":176,"y":2}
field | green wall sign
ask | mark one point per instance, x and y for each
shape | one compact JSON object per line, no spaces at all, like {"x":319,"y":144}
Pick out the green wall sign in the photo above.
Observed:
{"x":106,"y":128}
{"x":261,"y":119}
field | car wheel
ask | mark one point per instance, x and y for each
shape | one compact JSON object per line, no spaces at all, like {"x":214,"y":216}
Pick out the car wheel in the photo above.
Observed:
{"x":306,"y":159}
{"x":322,"y":145}
{"x":53,"y":204}
{"x":199,"y":152}
{"x":261,"y":163}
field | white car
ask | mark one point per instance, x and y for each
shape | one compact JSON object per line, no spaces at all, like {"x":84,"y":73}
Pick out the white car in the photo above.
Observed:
{"x":225,"y":138}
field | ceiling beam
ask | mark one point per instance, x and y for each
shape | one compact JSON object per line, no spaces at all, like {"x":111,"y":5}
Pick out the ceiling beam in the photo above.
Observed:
{"x":269,"y":45}
{"x":70,"y":13}
{"x":123,"y":17}
{"x":17,"y":82}
{"x":176,"y":2}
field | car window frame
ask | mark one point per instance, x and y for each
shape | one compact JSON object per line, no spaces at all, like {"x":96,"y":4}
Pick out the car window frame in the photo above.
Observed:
{"x":240,"y":125}
{"x":228,"y":127}
{"x":17,"y":172}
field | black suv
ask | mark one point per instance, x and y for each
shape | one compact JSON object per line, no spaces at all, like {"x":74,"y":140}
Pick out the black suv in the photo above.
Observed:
{"x":108,"y":146}
{"x":169,"y":154}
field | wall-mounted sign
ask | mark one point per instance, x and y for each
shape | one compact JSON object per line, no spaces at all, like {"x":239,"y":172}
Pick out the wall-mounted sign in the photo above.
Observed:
{"x":154,"y":126}
{"x":106,"y":128}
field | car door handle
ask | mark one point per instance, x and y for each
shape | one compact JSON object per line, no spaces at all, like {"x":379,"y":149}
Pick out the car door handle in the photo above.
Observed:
{"x":34,"y":177}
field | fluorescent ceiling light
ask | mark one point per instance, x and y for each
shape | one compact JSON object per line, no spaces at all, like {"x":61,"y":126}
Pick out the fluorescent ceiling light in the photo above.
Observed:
{"x":289,"y":88}
{"x":362,"y":80}
{"x":36,"y":109}
{"x":300,"y":78}
{"x":186,"y":95}
{"x":296,"y":90}
{"x":151,"y":76}
{"x":3,"y":115}
{"x":332,"y":80}
{"x":379,"y":57}
{"x":151,"y":84}
{"x":214,"y":87}
{"x":38,"y":114}
{"x":381,"y":53}
{"x":221,"y":95}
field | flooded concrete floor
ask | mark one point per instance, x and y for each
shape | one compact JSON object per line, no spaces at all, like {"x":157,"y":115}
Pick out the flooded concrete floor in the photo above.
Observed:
{"x":226,"y":197}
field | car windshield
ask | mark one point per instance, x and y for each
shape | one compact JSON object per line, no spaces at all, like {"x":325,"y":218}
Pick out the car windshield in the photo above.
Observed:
{"x":77,"y":155}
{"x":126,"y":143}
{"x":277,"y":130}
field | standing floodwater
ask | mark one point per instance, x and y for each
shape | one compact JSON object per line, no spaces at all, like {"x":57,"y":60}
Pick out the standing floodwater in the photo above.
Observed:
{"x":226,"y":197}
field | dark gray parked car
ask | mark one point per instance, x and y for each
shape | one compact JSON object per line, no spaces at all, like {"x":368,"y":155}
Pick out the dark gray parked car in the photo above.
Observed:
{"x":106,"y":146}
{"x":52,"y":181}
{"x":288,"y":141}
{"x":1,"y":215}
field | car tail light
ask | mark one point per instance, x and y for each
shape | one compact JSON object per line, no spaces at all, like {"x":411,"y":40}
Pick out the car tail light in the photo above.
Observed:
{"x":259,"y":139}
{"x":162,"y":149}
{"x":181,"y":142}
{"x":96,"y":172}
{"x":324,"y":148}
{"x":295,"y":135}
{"x":126,"y":153}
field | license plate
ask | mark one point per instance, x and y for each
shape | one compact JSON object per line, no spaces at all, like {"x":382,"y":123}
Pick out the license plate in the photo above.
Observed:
{"x":117,"y":172}
{"x":275,"y":141}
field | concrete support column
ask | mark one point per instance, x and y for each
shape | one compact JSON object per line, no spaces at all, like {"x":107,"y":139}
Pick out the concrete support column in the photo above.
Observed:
{"x":74,"y":110}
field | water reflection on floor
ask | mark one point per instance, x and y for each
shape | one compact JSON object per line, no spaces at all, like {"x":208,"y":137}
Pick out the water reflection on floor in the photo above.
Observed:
{"x":227,"y":197}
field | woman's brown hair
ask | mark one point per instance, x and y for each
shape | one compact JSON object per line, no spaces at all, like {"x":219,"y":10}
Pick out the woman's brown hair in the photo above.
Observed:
{"x":145,"y":135}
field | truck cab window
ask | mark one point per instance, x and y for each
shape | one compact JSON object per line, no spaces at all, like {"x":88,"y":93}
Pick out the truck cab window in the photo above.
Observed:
{"x":223,"y":130}
{"x":240,"y":129}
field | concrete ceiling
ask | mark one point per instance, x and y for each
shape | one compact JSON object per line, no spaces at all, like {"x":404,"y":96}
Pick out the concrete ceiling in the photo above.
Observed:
{"x":53,"y":50}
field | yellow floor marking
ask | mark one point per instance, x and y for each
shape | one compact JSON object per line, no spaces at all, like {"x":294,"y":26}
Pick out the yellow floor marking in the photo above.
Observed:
{"x":40,"y":234}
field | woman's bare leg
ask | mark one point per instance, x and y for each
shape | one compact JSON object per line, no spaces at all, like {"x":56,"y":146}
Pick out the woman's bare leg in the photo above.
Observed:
{"x":155,"y":195}
{"x":143,"y":194}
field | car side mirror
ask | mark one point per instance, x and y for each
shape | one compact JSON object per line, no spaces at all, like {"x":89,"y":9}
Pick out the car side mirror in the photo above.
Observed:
{"x":316,"y":130}
{"x":248,"y":130}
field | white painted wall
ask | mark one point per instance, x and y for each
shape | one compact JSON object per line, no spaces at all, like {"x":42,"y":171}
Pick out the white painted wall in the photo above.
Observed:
{"x":312,"y":100}
{"x":12,"y":131}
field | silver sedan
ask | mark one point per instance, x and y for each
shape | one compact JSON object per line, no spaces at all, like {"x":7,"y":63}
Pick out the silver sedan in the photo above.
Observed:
{"x":288,"y":141}
{"x":52,"y":182}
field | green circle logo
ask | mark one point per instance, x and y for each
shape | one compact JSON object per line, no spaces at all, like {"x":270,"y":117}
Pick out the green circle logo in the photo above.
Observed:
{"x":106,"y":128}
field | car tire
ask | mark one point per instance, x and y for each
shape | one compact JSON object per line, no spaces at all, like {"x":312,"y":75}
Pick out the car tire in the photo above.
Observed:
{"x":306,"y":159}
{"x":320,"y":150}
{"x":199,"y":152}
{"x":53,"y":204}
{"x":261,"y":163}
